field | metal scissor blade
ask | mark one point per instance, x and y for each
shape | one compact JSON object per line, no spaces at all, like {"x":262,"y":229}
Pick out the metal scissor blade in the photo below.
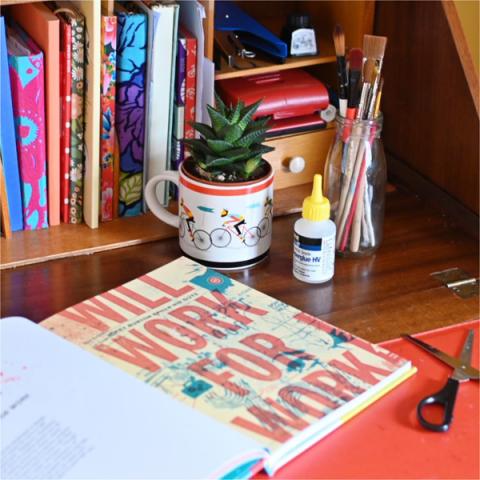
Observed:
{"x":456,"y":363}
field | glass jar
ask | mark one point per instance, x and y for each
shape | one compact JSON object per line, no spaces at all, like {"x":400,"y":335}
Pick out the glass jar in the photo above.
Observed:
{"x":354,"y":182}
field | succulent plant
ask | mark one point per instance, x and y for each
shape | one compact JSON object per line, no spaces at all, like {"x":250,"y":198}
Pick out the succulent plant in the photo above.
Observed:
{"x":230,"y":150}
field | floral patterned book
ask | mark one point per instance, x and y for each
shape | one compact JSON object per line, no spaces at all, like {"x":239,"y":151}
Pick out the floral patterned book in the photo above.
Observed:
{"x":107,"y":135}
{"x":273,"y":373}
{"x":26,"y":66}
{"x":130,"y":106}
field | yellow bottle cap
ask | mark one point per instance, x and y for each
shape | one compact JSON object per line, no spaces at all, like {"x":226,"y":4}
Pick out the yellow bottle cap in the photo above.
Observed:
{"x":316,"y":207}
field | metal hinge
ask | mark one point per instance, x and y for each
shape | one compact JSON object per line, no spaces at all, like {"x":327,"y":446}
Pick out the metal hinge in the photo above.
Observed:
{"x":459,"y":281}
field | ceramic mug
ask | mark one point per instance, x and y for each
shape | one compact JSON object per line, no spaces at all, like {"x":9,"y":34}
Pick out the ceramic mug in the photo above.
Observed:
{"x":219,"y":224}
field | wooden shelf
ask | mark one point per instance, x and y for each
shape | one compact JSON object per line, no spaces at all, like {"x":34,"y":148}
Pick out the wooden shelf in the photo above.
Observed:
{"x":35,"y":246}
{"x":268,"y":65}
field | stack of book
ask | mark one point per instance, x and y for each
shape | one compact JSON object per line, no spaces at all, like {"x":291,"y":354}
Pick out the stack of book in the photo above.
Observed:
{"x":94,"y":102}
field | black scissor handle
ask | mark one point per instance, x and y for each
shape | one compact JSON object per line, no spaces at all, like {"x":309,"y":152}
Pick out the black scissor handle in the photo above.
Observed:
{"x":446,"y":399}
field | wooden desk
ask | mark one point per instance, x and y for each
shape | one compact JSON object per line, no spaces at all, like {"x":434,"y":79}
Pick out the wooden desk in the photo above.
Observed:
{"x":378,"y":297}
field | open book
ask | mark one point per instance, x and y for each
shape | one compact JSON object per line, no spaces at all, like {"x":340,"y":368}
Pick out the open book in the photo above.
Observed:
{"x":267,"y":380}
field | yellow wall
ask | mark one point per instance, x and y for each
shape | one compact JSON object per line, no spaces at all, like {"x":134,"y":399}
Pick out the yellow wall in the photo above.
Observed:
{"x":468,"y":11}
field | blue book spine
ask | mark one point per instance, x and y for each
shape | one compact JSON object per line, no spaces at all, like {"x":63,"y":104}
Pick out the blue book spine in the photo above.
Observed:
{"x":130,"y":108}
{"x":7,"y":138}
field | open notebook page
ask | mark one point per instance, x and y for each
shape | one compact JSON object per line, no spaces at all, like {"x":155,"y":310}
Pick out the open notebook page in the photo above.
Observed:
{"x":67,"y":414}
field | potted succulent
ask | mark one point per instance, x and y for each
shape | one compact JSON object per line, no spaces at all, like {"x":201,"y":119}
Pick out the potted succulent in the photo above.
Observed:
{"x":225,"y":190}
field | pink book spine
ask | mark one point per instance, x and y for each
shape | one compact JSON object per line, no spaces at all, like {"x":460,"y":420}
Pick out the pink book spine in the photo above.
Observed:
{"x":28,"y":95}
{"x":66,"y":93}
{"x":107,"y":136}
{"x":190,"y":82}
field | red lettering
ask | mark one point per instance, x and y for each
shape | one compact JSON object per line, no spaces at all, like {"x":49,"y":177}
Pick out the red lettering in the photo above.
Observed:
{"x":196,"y":341}
{"x":202,"y":319}
{"x":269,"y":372}
{"x":141,"y":298}
{"x":274,"y":348}
{"x":88,"y":314}
{"x":292,"y":395}
{"x":270,"y":424}
{"x":359,"y":369}
{"x":222,"y":379}
{"x":333,"y":384}
{"x":133,"y":349}
{"x":172,"y":292}
{"x":229,"y":307}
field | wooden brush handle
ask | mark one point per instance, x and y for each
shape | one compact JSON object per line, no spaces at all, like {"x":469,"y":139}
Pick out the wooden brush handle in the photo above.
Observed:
{"x":357,"y":217}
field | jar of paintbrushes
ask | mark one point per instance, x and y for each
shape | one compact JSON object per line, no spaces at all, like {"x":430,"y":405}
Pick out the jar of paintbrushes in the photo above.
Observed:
{"x":355,"y":170}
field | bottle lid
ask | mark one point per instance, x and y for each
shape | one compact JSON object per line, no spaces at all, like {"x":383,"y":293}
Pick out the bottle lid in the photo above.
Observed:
{"x":316,"y":207}
{"x":299,"y":20}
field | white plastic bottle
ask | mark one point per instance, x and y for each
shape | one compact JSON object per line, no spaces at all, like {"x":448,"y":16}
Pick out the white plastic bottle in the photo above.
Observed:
{"x":314,"y":238}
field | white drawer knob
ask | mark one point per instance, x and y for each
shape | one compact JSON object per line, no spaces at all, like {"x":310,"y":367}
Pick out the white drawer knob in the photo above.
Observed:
{"x":296,"y":164}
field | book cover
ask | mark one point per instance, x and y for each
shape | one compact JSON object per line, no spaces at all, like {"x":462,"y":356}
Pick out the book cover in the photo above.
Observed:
{"x":107,"y":136}
{"x":163,"y":25}
{"x":66,"y":115}
{"x":91,"y":11}
{"x":190,"y":81}
{"x":280,"y":376}
{"x":28,"y":98}
{"x":130,"y":107}
{"x":7,"y":139}
{"x":179,"y":104}
{"x":44,"y":28}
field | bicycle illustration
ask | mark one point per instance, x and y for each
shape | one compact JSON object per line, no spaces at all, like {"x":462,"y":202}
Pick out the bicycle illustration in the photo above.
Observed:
{"x":200,"y":238}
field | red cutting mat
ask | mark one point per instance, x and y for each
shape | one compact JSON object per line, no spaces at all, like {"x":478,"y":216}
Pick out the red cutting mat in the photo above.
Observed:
{"x":386,"y":441}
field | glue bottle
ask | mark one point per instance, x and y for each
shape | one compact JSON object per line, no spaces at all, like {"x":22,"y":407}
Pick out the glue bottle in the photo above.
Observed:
{"x":314,"y":238}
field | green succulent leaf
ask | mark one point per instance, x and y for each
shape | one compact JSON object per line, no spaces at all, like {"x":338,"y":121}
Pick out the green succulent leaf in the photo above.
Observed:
{"x":251,"y":165}
{"x":254,"y":136}
{"x":232,"y":133}
{"x":222,"y":108}
{"x":235,"y":115}
{"x":204,"y":129}
{"x":219,"y":146}
{"x":219,"y":122}
{"x":195,"y":145}
{"x":259,"y":123}
{"x":247,"y":114}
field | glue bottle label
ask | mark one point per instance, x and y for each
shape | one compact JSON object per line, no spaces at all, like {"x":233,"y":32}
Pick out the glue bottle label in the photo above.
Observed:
{"x":313,"y":258}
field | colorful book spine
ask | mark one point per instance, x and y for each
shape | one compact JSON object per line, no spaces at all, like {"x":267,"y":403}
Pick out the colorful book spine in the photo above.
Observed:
{"x":26,"y":66}
{"x":190,"y":82}
{"x":130,"y":108}
{"x":66,"y":118}
{"x":107,"y":135}
{"x":77,"y":137}
{"x":179,"y":105}
{"x":7,"y":139}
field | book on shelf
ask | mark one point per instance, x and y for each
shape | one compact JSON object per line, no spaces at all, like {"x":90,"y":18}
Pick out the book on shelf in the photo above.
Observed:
{"x":73,"y":23}
{"x":26,"y":67}
{"x":7,"y":139}
{"x":44,"y":28}
{"x":190,"y":81}
{"x":178,"y":149}
{"x":278,"y":377}
{"x":162,"y":27}
{"x":107,"y":134}
{"x":130,"y":104}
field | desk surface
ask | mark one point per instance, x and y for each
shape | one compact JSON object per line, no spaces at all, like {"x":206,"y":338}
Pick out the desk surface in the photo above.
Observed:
{"x":378,"y":297}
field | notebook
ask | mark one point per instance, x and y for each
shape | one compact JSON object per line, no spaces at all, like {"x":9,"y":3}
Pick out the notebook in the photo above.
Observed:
{"x":278,"y":376}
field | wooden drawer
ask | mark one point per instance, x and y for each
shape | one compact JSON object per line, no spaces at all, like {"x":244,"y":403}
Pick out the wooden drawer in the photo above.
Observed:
{"x":313,"y":147}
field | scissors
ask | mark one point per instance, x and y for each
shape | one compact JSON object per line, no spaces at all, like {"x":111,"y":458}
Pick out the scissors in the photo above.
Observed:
{"x":463,"y":372}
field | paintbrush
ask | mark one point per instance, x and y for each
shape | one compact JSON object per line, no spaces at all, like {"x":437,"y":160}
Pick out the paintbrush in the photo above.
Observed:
{"x":339,"y":42}
{"x":374,"y":51}
{"x":354,"y":79}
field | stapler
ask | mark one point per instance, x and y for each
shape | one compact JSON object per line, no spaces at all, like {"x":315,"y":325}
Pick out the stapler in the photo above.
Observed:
{"x":231,"y":48}
{"x":294,"y":98}
{"x":230,"y":18}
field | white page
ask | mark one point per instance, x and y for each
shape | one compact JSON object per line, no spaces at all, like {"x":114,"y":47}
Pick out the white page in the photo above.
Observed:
{"x":68,"y":414}
{"x":192,"y":14}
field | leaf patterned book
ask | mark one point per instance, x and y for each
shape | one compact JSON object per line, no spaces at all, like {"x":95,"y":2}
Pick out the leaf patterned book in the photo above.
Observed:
{"x":130,"y":106}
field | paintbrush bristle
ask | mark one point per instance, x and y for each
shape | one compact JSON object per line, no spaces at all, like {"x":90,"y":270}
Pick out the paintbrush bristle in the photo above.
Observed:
{"x":355,"y":58}
{"x":368,"y":72}
{"x":374,"y":46}
{"x":339,"y":41}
